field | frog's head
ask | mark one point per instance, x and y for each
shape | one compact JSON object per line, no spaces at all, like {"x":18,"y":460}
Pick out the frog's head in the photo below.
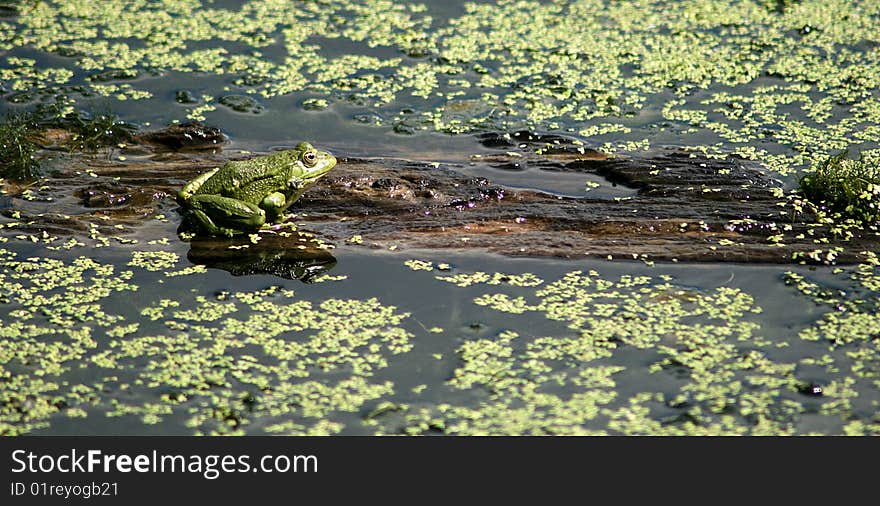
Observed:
{"x":312,"y":163}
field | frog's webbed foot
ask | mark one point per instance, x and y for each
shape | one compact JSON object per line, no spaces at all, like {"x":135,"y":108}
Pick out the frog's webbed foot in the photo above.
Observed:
{"x":189,"y":190}
{"x":225,"y":216}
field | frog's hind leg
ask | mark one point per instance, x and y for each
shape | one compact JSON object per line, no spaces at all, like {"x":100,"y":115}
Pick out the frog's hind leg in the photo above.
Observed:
{"x":218,"y":215}
{"x":206,"y":225}
{"x":190,"y":189}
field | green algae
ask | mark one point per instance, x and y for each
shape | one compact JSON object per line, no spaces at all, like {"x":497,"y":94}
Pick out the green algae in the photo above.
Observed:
{"x":707,"y":345}
{"x":23,"y":133}
{"x":192,"y":360}
{"x":727,"y":77}
{"x":712,"y":69}
{"x":269,"y":361}
{"x":92,"y":131}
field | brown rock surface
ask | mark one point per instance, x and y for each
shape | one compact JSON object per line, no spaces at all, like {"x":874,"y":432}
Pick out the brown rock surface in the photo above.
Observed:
{"x":682,"y":205}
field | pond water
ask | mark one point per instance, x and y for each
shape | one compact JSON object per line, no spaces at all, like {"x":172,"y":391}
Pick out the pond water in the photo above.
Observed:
{"x":124,"y":334}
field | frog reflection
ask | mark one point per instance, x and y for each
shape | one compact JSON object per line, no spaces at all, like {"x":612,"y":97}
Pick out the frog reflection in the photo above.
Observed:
{"x":286,"y":257}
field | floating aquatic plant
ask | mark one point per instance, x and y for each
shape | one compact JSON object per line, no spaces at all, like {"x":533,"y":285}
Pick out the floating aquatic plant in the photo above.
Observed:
{"x":845,"y":186}
{"x":92,"y":131}
{"x":578,"y":65}
{"x":21,"y":133}
{"x":17,"y":147}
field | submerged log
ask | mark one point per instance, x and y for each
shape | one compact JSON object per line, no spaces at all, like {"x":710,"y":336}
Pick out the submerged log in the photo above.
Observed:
{"x":680,"y":205}
{"x":676,"y":213}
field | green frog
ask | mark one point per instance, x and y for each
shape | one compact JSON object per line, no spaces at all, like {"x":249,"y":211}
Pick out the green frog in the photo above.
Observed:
{"x":243,"y":195}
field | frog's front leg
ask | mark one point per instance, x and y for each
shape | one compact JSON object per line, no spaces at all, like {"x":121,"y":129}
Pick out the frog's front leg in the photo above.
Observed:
{"x":274,"y":204}
{"x":218,"y":215}
{"x":186,"y":193}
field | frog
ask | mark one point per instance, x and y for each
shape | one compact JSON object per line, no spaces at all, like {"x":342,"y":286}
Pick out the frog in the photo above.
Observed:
{"x":244,"y":196}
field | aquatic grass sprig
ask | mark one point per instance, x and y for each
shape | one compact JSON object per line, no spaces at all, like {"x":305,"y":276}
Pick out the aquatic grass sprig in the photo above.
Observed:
{"x":845,"y":186}
{"x":21,"y":134}
{"x":92,"y":130}
{"x":18,"y":148}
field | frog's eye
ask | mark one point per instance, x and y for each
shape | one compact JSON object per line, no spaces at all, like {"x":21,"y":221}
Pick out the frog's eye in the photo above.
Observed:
{"x":310,"y":158}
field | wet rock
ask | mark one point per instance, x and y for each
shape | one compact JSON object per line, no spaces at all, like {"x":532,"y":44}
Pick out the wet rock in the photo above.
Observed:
{"x":404,"y":128}
{"x":191,"y":135}
{"x":440,"y":208}
{"x":56,"y":138}
{"x":525,"y":149}
{"x":683,"y":206}
{"x":112,"y":194}
{"x":369,"y":118}
{"x":185,"y":97}
{"x":527,"y":141}
{"x":670,"y":172}
{"x":241,"y":103}
{"x":113,"y":75}
{"x":687,"y":207}
{"x":495,"y":140}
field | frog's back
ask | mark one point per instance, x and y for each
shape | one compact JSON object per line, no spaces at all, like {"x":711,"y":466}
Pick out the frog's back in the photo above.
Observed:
{"x":260,"y":174}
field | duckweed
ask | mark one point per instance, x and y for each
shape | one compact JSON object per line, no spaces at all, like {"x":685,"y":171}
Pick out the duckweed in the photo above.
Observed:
{"x":744,"y":78}
{"x":419,"y":265}
{"x":726,"y":73}
{"x":705,"y":346}
{"x":245,"y":362}
{"x":154,"y":260}
{"x":463,"y":280}
{"x":192,"y":359}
